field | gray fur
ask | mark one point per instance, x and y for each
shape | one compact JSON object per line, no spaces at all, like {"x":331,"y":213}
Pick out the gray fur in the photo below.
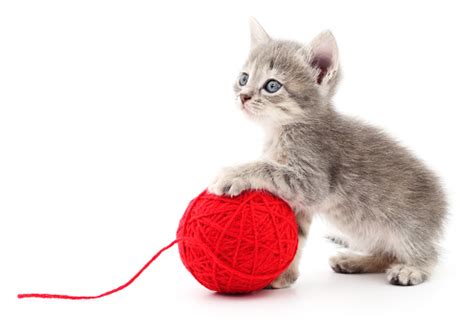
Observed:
{"x":387,"y":203}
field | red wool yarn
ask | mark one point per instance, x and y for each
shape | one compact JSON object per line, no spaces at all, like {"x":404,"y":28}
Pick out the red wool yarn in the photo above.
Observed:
{"x":239,"y":244}
{"x":230,"y":245}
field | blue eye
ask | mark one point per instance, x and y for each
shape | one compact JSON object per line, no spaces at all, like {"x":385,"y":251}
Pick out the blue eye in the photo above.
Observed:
{"x":244,"y":78}
{"x":272,"y":86}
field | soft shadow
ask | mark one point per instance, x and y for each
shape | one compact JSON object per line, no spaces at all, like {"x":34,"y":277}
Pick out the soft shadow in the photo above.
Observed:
{"x":327,"y":288}
{"x":258,"y":295}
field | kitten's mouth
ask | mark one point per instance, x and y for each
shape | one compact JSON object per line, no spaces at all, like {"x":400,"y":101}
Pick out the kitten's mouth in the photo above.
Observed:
{"x":247,"y":109}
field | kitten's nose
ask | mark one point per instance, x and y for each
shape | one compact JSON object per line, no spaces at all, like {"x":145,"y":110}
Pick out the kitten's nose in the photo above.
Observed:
{"x":244,"y":98}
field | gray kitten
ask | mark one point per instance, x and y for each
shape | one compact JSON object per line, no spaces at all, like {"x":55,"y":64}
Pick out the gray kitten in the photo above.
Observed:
{"x":384,"y":200}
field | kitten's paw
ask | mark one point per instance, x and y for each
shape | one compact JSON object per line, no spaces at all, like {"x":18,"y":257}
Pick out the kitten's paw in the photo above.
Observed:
{"x":228,"y":183}
{"x":404,"y":275}
{"x":286,"y":279}
{"x":345,"y":264}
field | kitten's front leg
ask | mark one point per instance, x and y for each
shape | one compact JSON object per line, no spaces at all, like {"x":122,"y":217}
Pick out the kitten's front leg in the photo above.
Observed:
{"x":290,"y":275}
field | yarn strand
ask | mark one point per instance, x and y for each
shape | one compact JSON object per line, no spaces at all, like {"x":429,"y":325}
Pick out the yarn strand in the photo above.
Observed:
{"x":121,"y":287}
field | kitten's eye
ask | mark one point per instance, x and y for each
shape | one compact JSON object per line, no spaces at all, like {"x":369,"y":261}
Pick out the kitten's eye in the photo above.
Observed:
{"x":272,"y":86}
{"x":244,"y":78}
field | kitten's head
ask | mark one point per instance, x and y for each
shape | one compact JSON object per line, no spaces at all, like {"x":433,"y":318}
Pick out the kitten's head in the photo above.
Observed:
{"x":284,"y":81}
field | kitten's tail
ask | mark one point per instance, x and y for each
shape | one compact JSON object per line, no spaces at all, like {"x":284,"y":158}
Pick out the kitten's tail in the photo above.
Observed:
{"x":337,"y":240}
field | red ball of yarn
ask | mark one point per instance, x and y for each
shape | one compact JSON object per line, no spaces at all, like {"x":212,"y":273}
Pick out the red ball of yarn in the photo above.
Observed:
{"x":239,"y":244}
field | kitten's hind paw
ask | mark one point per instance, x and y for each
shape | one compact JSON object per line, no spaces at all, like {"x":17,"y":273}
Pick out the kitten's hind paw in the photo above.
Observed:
{"x":404,"y":275}
{"x":345,"y":264}
{"x":351,"y":263}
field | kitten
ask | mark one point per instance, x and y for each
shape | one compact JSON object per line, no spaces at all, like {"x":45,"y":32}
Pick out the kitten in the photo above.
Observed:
{"x":387,"y":204}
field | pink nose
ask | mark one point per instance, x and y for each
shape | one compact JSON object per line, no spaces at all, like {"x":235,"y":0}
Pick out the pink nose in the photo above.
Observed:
{"x":244,"y":98}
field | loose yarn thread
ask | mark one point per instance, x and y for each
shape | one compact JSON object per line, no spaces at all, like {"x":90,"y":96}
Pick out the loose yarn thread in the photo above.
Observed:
{"x":86,"y":297}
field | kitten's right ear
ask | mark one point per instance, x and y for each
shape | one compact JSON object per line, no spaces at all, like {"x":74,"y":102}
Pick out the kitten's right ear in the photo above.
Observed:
{"x":257,"y":33}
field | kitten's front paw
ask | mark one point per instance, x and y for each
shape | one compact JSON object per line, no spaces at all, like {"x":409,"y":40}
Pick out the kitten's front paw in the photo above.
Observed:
{"x":286,"y":279}
{"x":228,"y":183}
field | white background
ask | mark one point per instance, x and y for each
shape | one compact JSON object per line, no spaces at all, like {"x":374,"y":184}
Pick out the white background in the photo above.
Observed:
{"x":114,"y":114}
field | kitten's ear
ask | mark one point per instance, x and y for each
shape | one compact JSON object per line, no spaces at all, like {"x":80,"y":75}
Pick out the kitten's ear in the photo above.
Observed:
{"x":324,"y":58}
{"x":257,"y":33}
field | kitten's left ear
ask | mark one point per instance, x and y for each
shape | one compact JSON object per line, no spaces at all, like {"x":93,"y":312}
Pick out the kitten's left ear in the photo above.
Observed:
{"x":324,"y":58}
{"x":257,"y":34}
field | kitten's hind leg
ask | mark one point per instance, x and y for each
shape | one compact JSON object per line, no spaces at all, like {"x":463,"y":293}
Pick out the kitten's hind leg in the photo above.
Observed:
{"x":414,"y":265}
{"x":351,"y":263}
